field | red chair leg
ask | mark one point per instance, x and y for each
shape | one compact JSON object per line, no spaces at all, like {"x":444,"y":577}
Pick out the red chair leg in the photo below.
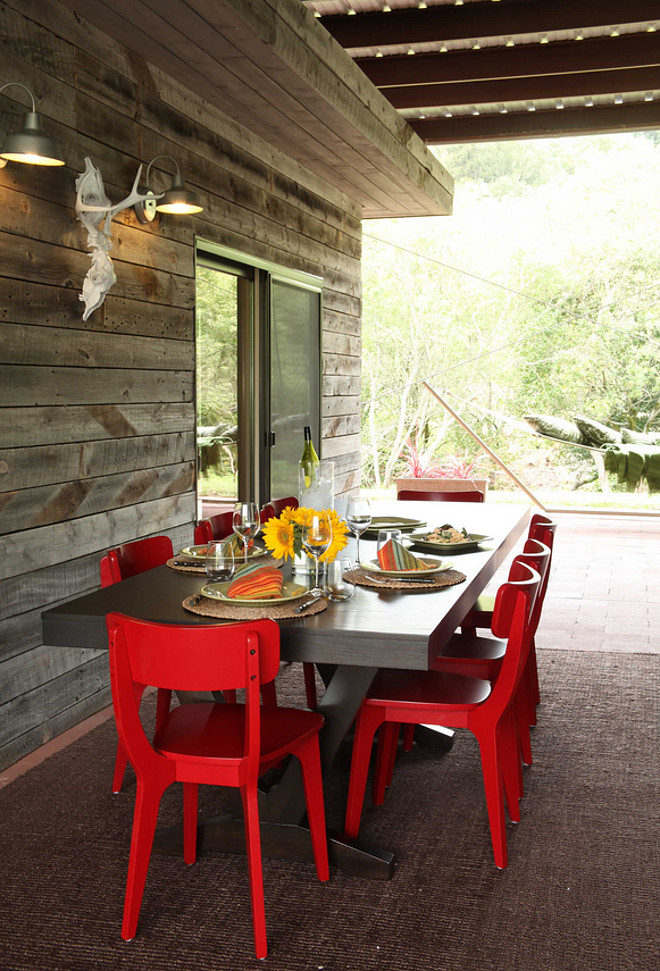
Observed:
{"x":255,"y":869}
{"x":145,"y":818}
{"x":268,"y":694}
{"x":368,"y":721}
{"x":510,"y":761}
{"x":121,"y":761}
{"x":310,"y":761}
{"x":493,"y":788}
{"x":190,"y":799}
{"x":163,"y":701}
{"x":309,"y":672}
{"x":388,"y":738}
{"x":408,"y":738}
{"x":522,"y":718}
{"x":534,"y":678}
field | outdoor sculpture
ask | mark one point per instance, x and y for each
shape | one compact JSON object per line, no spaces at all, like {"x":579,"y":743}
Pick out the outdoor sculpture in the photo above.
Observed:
{"x":91,"y":203}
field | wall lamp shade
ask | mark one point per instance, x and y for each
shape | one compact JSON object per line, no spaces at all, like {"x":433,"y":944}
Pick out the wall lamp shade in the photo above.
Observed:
{"x":177,"y":199}
{"x":31,"y":145}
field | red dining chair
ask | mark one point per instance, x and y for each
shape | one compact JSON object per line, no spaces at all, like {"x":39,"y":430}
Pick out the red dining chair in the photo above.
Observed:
{"x":469,"y":495}
{"x":119,"y":564}
{"x":457,"y":701}
{"x":215,"y":527}
{"x":481,"y":614}
{"x":482,"y":657}
{"x":132,"y":558}
{"x":280,"y":504}
{"x":208,"y":743}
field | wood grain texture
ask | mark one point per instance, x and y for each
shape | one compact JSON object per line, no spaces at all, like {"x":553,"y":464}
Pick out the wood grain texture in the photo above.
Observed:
{"x":97,"y":418}
{"x":39,"y":506}
{"x":25,"y":385}
{"x":48,"y":545}
{"x":50,"y":425}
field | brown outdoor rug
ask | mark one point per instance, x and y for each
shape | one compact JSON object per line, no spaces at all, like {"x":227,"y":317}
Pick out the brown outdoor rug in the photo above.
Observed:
{"x":581,"y":892}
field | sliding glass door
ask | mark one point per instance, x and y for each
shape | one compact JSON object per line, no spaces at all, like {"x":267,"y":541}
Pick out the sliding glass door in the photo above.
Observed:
{"x":295,"y":391}
{"x":258,"y":376}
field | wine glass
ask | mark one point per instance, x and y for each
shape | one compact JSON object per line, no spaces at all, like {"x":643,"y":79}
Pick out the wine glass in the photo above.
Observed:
{"x":316,"y":538}
{"x":337,"y":585}
{"x":245,"y":523}
{"x":358,"y":518}
{"x":219,"y":561}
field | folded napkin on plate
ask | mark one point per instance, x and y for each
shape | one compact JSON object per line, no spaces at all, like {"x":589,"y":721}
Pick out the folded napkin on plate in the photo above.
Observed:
{"x":256,"y":583}
{"x":236,"y":544}
{"x":394,"y":556}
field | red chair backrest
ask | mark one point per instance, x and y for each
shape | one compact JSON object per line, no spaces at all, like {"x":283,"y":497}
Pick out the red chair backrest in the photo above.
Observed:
{"x":222,"y":524}
{"x":469,"y":495}
{"x":512,"y":617}
{"x":132,"y":558}
{"x":540,"y":527}
{"x":215,"y":527}
{"x":188,"y":658}
{"x":280,"y":504}
{"x":539,"y":556}
{"x":202,"y":532}
{"x":268,"y":512}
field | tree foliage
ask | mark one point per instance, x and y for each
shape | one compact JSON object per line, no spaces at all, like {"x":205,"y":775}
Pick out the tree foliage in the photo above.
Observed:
{"x":539,"y":295}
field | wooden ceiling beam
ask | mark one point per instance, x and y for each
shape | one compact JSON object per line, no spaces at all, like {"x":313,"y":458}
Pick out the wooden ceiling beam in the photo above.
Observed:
{"x":484,"y":20}
{"x":631,"y":50}
{"x":524,"y":89}
{"x":539,"y":124}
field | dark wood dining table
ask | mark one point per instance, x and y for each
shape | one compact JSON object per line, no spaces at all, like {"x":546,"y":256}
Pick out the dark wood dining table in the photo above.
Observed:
{"x":348,"y":642}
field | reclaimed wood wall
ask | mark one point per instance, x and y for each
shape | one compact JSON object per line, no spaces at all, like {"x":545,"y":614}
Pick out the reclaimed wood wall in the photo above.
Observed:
{"x":97,"y":426}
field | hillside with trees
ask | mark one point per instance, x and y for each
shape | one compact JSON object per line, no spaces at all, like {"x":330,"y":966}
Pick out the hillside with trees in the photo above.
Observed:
{"x":539,"y":295}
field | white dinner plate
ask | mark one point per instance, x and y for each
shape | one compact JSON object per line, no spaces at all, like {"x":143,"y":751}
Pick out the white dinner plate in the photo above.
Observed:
{"x":433,"y":567}
{"x":218,"y":591}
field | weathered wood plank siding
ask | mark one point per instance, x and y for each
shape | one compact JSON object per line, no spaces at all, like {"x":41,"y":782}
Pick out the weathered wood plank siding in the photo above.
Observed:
{"x":97,"y":418}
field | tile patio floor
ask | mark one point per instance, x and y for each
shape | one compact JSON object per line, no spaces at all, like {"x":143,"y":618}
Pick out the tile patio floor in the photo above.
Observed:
{"x":603,"y":595}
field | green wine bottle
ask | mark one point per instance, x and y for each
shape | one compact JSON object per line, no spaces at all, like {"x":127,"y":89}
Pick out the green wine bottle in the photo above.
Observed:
{"x":309,"y":461}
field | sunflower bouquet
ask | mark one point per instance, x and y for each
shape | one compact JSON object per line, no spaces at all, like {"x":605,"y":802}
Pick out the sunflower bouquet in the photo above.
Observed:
{"x":283,"y":534}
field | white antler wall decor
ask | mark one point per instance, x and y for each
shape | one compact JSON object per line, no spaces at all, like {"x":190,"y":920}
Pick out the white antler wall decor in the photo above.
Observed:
{"x":91,"y":204}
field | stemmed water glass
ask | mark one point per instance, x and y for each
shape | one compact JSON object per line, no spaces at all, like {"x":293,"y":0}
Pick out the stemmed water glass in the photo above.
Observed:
{"x":358,"y":519}
{"x":316,"y":538}
{"x":219,"y":561}
{"x":245,"y":523}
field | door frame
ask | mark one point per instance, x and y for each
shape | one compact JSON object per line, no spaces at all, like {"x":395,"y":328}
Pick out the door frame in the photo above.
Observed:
{"x":253,"y":357}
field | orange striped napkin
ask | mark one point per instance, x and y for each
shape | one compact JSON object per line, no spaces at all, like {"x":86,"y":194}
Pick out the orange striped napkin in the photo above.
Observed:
{"x":256,"y":583}
{"x":394,"y":556}
{"x":236,"y":544}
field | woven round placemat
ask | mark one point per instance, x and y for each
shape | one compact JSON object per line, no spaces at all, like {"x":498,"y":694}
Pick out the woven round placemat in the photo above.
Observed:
{"x":188,"y":568}
{"x":448,"y":578}
{"x":175,"y":563}
{"x":224,"y":611}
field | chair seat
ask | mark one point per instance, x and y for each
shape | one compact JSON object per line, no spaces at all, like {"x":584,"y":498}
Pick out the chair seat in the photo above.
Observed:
{"x":205,"y":730}
{"x":432,"y":688}
{"x":467,"y":648}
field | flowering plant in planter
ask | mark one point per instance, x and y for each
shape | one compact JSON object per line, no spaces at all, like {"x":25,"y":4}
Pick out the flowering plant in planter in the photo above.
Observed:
{"x":421,"y":465}
{"x":283,"y":533}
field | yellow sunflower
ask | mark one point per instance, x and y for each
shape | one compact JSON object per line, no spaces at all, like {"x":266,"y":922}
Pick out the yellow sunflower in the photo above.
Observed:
{"x":339,"y":536}
{"x":303,"y":516}
{"x":278,"y":537}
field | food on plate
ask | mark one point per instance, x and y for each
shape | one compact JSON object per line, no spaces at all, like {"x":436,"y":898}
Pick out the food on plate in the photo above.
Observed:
{"x":447,"y":534}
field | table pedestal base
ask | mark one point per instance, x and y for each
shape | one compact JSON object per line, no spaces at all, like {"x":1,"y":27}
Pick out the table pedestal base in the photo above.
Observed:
{"x":281,"y":841}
